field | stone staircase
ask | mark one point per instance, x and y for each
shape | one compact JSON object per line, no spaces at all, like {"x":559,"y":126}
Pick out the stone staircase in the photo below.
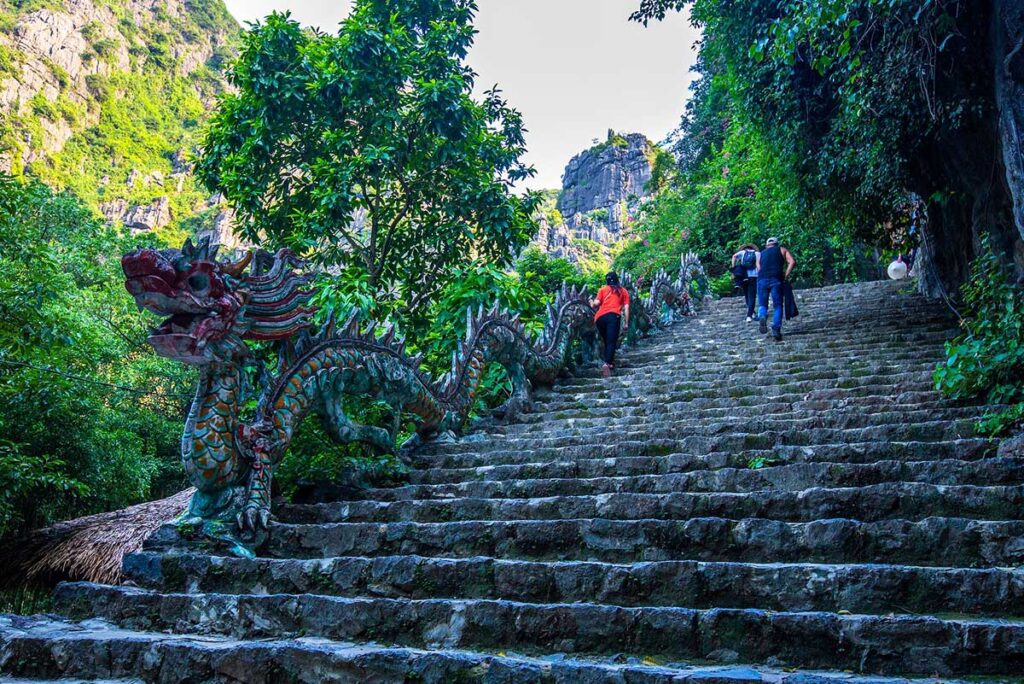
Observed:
{"x":726,"y":509}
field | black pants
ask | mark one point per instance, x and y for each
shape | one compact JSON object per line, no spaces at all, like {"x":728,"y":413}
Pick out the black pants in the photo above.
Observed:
{"x":608,"y":328}
{"x":750,"y":294}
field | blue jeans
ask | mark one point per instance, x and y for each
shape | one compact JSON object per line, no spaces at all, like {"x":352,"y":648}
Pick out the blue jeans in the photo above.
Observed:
{"x":772,"y":286}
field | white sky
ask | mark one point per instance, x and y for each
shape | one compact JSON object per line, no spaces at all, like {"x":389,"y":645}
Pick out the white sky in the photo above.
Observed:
{"x":574,"y":68}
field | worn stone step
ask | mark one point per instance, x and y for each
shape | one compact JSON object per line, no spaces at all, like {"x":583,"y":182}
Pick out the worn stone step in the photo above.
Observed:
{"x":794,"y":477}
{"x":711,"y":421}
{"x":727,"y":407}
{"x":721,"y":437}
{"x":588,"y":462}
{"x":904,"y":500}
{"x":48,"y":649}
{"x":686,"y":401}
{"x":936,"y":541}
{"x":868,"y":384}
{"x":635,"y":416}
{"x":611,"y":460}
{"x":865,"y":643}
{"x":876,"y":589}
{"x":632,"y":371}
{"x":754,"y":432}
{"x":739,"y":350}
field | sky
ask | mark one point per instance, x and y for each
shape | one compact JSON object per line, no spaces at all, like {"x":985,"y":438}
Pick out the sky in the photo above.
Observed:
{"x":574,"y":68}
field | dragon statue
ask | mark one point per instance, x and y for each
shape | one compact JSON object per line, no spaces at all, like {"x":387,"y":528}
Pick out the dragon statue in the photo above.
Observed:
{"x":210,"y":308}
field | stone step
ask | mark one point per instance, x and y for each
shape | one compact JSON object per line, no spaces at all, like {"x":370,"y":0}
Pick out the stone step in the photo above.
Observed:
{"x":874,"y":589}
{"x":669,"y":388}
{"x":47,"y":649}
{"x":632,"y":371}
{"x":588,"y":463}
{"x":725,"y":406}
{"x":796,"y":477}
{"x":753,"y":429}
{"x":722,"y":438}
{"x":936,"y":541}
{"x":925,"y":645}
{"x":749,"y":404}
{"x":777,"y":411}
{"x":890,"y":500}
{"x":746,"y":343}
{"x":659,"y":457}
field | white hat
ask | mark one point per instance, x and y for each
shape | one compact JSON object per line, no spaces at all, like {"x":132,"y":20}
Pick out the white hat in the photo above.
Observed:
{"x":772,"y":241}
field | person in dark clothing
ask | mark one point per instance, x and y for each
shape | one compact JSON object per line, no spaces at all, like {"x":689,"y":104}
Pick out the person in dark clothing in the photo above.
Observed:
{"x":745,"y":261}
{"x":774,"y":265}
{"x":612,"y":315}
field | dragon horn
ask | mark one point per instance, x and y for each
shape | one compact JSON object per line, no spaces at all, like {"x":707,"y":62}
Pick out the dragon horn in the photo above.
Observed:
{"x":370,"y":334}
{"x":469,"y":322}
{"x":388,"y":336}
{"x":236,"y":268}
{"x":351,"y":328}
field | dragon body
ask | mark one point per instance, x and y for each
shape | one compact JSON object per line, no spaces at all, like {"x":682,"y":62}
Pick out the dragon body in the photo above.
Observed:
{"x":212,"y":307}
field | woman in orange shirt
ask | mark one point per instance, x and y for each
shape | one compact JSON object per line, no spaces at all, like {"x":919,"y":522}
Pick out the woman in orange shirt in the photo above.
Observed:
{"x":612,"y":315}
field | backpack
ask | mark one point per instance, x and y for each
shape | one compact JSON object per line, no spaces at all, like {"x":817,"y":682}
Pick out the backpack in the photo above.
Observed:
{"x":749,"y":259}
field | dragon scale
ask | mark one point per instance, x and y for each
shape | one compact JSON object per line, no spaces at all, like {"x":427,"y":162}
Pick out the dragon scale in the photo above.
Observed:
{"x":212,"y":307}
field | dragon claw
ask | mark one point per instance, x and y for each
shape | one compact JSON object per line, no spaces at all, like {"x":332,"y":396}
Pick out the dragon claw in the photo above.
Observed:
{"x":253,"y":519}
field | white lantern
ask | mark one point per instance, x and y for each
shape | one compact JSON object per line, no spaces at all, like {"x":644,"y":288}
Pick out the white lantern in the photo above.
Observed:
{"x":897,"y":270}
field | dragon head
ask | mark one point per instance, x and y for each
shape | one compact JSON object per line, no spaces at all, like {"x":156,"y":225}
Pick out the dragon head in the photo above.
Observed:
{"x":210,"y":306}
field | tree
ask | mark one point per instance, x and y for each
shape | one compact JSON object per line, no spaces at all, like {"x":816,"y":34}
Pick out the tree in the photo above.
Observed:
{"x":367,"y":151}
{"x":90,"y":417}
{"x":871,"y":102}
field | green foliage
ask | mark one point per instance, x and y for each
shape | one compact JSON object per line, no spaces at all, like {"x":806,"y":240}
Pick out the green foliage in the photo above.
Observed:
{"x":314,"y":459}
{"x":91,"y":417}
{"x":130,"y":119}
{"x":815,"y":120}
{"x":987,"y":360}
{"x":593,"y":261}
{"x":393,"y":168}
{"x":548,"y":272}
{"x":723,"y":285}
{"x":9,"y":60}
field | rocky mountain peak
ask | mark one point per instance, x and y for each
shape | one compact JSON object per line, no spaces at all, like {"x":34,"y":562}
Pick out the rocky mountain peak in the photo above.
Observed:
{"x":602,"y":188}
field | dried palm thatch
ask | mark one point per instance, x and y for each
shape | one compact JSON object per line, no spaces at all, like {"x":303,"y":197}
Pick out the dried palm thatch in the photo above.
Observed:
{"x":86,"y":549}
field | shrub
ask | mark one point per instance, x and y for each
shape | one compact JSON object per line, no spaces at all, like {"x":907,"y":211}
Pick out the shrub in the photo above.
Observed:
{"x":987,"y":360}
{"x":105,"y":47}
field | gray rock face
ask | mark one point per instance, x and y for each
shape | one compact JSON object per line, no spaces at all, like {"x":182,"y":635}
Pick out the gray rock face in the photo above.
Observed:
{"x":609,"y":177}
{"x":57,"y":84}
{"x":602,"y":188}
{"x":795,"y":513}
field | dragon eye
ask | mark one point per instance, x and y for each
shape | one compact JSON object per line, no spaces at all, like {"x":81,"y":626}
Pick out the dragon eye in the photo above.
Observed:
{"x":198,"y":282}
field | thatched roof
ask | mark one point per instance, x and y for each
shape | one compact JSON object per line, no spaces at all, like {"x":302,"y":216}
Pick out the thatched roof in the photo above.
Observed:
{"x":88,"y":549}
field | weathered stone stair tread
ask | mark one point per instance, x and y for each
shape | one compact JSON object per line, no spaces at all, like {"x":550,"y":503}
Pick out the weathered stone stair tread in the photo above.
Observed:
{"x":852,"y":452}
{"x":60,"y":651}
{"x":707,"y":440}
{"x":583,"y":428}
{"x":463,"y":470}
{"x":927,"y":645}
{"x":683,"y":402}
{"x":726,"y":415}
{"x":876,"y":589}
{"x":936,"y":541}
{"x":500,"y":483}
{"x":888,"y":500}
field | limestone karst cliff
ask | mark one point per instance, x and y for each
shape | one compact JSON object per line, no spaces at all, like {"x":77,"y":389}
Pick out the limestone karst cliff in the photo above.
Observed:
{"x":602,"y":188}
{"x":105,"y":98}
